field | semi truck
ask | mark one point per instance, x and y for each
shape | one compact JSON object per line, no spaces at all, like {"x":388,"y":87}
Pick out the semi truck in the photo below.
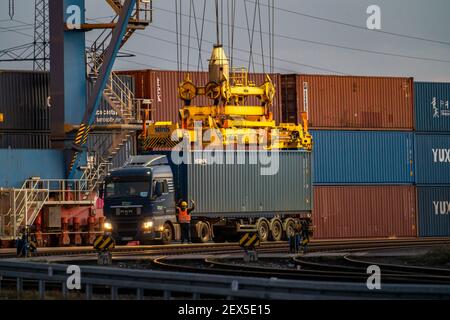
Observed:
{"x":269,"y":189}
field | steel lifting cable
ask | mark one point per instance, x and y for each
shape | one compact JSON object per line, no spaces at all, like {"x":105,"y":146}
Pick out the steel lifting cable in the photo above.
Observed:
{"x":233,"y":18}
{"x":261,"y":38}
{"x":270,"y":35}
{"x":201,"y":37}
{"x":196,"y":31}
{"x":189,"y":35}
{"x":176,"y":32}
{"x":217,"y":22}
{"x":251,"y":40}
{"x":273,"y":35}
{"x":12,"y":8}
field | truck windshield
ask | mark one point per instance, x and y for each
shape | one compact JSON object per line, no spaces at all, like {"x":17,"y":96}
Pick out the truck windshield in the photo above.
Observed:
{"x":127,"y":189}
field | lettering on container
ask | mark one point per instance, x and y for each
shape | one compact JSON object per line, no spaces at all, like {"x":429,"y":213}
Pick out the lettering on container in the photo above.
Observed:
{"x":158,"y":89}
{"x":441,"y":155}
{"x":440,"y":108}
{"x":441,"y":207}
{"x":305,"y":98}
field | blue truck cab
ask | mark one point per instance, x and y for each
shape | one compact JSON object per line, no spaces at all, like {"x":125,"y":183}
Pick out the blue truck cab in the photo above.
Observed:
{"x":139,"y":201}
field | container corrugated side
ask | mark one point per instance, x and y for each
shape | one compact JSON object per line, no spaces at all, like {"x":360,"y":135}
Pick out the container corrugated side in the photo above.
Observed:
{"x":281,"y":183}
{"x":23,"y":100}
{"x":24,"y":140}
{"x":354,"y":102}
{"x":364,"y":212}
{"x":431,"y":106}
{"x":18,"y":165}
{"x":363,"y":157}
{"x":432,"y":157}
{"x":433,"y":207}
{"x":162,"y":87}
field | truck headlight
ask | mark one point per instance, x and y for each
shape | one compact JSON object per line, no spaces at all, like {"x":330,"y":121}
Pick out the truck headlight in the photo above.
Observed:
{"x":107,"y":226}
{"x":148,"y":224}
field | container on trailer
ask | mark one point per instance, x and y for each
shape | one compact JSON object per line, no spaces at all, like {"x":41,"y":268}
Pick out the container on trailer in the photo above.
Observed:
{"x":161,"y":86}
{"x":363,"y":157}
{"x":431,"y":106}
{"x":364,"y":212}
{"x":24,"y":100}
{"x":433,"y":209}
{"x":24,"y":140}
{"x":248,"y":183}
{"x":432,"y":157}
{"x":351,"y":102}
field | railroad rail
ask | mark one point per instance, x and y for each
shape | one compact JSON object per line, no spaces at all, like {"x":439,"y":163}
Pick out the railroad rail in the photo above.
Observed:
{"x":196,"y":285}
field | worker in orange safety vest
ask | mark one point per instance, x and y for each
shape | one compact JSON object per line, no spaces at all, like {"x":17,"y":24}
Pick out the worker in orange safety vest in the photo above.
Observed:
{"x":184,"y":219}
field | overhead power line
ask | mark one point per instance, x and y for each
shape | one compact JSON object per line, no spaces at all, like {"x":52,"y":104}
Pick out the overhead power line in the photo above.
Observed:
{"x":336,"y":45}
{"x":245,"y":51}
{"x":357,"y":26}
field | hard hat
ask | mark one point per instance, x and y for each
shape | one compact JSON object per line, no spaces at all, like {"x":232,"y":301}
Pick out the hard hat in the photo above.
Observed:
{"x":184,"y":204}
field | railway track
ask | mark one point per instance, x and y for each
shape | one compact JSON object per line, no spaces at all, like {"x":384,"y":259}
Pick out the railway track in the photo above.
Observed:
{"x":324,"y":245}
{"x":212,"y":277}
{"x":353,"y":270}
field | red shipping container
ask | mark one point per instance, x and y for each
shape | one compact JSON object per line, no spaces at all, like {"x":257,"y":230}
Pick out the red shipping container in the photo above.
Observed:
{"x":364,"y":212}
{"x":162,"y":87}
{"x":350,"y":102}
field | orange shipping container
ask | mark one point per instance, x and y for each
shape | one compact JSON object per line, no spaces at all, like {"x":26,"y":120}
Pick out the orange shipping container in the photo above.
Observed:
{"x":350,"y":102}
{"x":162,"y":85}
{"x":364,"y":212}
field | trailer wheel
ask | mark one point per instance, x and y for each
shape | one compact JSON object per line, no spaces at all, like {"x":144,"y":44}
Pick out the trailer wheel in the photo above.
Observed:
{"x":167,"y":234}
{"x":290,"y":228}
{"x":276,"y":233}
{"x":203,"y":232}
{"x":263,"y":230}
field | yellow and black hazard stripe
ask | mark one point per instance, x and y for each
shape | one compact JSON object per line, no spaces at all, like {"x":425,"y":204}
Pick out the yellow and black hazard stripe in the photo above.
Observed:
{"x":249,"y":240}
{"x":75,"y":156}
{"x":156,"y":142}
{"x":80,"y":133}
{"x":86,"y":133}
{"x":103,"y":243}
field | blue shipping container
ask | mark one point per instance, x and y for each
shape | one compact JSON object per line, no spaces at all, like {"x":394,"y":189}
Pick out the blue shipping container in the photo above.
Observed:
{"x":434,"y":211}
{"x":363,"y":157}
{"x":432,"y":159}
{"x":431,"y":104}
{"x":18,"y":165}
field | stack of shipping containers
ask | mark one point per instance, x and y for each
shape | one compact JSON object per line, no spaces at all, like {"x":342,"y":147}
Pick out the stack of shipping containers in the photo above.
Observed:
{"x":24,"y":105}
{"x":432,"y":152}
{"x":363,"y":168}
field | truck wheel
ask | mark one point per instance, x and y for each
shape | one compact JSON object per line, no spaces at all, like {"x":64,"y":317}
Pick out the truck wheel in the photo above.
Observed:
{"x":204,"y":232}
{"x":290,"y":228}
{"x":263,"y":230}
{"x":277,"y":230}
{"x":167,"y":234}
